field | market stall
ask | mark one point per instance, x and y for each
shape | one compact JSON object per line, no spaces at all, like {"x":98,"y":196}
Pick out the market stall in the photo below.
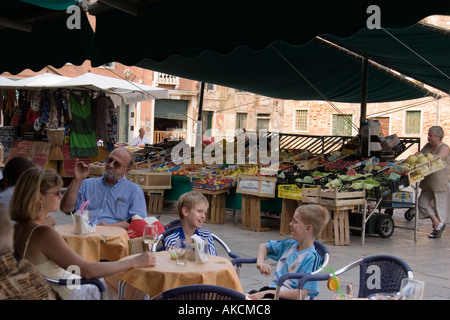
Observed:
{"x":54,"y":120}
{"x":344,"y":180}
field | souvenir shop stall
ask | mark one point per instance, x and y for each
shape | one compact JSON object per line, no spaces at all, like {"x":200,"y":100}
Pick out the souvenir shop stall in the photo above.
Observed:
{"x":54,"y":120}
{"x":53,"y":127}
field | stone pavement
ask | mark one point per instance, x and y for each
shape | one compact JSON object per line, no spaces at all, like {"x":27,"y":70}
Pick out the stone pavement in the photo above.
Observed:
{"x":428,"y":258}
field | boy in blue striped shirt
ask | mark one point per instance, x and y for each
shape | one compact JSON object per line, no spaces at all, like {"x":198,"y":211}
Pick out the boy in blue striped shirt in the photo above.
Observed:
{"x":296,"y":254}
{"x":192,"y":208}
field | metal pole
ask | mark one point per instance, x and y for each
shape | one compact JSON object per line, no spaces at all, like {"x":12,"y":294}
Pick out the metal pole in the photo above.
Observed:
{"x":364,"y":81}
{"x":198,"y":134}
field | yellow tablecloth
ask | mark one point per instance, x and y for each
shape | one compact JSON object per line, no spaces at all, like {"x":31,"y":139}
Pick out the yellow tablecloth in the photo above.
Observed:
{"x":166,"y":274}
{"x":108,"y":243}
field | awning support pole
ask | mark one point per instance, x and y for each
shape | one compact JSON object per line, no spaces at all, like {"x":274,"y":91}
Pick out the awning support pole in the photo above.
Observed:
{"x":198,"y":134}
{"x":364,"y":81}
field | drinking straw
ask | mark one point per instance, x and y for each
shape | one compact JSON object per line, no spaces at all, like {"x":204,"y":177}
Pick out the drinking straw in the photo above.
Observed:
{"x":335,"y":280}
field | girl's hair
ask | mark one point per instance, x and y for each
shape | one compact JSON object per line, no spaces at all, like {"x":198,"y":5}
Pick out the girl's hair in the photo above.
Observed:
{"x":25,"y":203}
{"x":189,"y":200}
{"x":315,"y":215}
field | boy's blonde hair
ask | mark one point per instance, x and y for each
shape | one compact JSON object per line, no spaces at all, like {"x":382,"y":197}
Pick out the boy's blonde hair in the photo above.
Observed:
{"x":189,"y":200}
{"x":315,"y":215}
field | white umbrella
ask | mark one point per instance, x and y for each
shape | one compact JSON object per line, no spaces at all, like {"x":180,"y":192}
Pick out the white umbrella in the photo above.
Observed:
{"x":117,"y":89}
{"x":7,"y":83}
{"x":40,"y":81}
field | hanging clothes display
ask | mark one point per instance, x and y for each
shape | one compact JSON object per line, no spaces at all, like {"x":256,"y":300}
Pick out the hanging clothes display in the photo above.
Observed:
{"x":104,"y":115}
{"x":83,"y":142}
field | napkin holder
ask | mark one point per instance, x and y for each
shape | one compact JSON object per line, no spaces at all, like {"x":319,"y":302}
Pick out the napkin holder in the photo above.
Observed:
{"x":199,"y":249}
{"x":81,"y":223}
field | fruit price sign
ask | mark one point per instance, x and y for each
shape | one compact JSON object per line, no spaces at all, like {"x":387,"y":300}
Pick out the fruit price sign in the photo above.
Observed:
{"x":257,"y":185}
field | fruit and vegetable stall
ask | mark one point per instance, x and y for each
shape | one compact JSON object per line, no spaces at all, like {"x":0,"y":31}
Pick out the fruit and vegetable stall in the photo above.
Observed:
{"x":355,"y":188}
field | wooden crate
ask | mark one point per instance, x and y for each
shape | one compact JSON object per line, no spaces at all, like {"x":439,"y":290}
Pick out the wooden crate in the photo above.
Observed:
{"x":341,"y":228}
{"x":327,"y":233}
{"x":287,"y":213}
{"x":251,"y":212}
{"x":151,"y":179}
{"x":309,"y":164}
{"x":333,"y":197}
{"x":260,"y":186}
{"x":155,"y":202}
{"x":217,"y":202}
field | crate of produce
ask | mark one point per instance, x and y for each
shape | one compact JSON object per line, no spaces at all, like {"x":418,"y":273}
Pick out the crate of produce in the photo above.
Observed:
{"x":310,"y":193}
{"x":311,"y":163}
{"x":289,"y":191}
{"x":334,"y":197}
{"x":214,"y":185}
{"x":437,"y":164}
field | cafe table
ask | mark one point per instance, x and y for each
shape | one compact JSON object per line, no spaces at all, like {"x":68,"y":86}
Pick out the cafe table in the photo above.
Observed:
{"x":106,"y":243}
{"x":167,"y":275}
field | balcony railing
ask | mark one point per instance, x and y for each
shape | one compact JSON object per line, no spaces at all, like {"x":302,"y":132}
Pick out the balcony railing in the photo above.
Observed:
{"x":166,"y":79}
{"x":171,"y":135}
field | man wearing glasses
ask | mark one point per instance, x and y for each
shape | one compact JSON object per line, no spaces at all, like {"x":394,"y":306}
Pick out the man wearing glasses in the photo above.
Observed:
{"x":112,"y":199}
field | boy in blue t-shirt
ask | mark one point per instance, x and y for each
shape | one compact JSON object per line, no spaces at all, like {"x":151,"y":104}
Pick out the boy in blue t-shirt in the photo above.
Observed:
{"x":293,"y":255}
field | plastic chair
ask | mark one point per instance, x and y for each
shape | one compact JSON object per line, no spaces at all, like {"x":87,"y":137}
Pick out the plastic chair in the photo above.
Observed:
{"x":96,"y":282}
{"x":200,"y":292}
{"x":173,"y":225}
{"x":321,"y":249}
{"x":377,"y":274}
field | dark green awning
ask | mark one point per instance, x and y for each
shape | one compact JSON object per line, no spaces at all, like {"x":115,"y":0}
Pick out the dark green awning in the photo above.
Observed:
{"x":280,"y":70}
{"x":48,"y":40}
{"x":260,"y":46}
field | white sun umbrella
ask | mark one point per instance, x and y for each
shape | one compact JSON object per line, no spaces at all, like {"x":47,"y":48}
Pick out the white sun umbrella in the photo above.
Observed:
{"x":7,"y":83}
{"x":116,"y":88}
{"x":40,"y":81}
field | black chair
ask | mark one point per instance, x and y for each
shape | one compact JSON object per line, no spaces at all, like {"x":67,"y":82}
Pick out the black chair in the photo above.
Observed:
{"x":173,"y":225}
{"x":200,"y":292}
{"x":321,"y":249}
{"x":377,"y":274}
{"x":94,"y":281}
{"x":63,"y":282}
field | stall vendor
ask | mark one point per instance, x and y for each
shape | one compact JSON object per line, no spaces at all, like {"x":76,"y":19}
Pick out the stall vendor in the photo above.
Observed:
{"x":141,"y":139}
{"x":113,"y":200}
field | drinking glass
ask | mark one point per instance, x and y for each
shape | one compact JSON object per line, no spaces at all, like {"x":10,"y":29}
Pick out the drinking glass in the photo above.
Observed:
{"x":412,"y":289}
{"x":150,"y":235}
{"x":181,"y":248}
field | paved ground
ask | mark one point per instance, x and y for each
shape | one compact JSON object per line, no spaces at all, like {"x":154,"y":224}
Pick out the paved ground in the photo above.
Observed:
{"x":428,"y":258}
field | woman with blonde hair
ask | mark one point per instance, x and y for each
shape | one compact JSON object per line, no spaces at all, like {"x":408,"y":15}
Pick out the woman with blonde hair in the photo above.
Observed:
{"x":36,"y":194}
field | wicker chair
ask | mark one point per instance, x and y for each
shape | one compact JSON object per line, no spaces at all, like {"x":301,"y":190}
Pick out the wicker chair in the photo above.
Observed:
{"x":377,"y":274}
{"x":200,"y":292}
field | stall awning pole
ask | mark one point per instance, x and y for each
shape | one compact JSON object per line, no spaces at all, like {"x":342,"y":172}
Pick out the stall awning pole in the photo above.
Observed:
{"x":198,"y":134}
{"x":364,"y":81}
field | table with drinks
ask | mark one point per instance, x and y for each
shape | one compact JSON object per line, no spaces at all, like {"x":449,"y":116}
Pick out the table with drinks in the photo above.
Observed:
{"x":171,"y":273}
{"x":105,"y":243}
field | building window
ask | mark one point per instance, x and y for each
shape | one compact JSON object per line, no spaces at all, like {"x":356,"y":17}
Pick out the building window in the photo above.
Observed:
{"x":263,"y":121}
{"x":109,"y":65}
{"x":241,"y":119}
{"x":342,"y":125}
{"x":210,"y":87}
{"x":412,"y":125}
{"x":301,"y":120}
